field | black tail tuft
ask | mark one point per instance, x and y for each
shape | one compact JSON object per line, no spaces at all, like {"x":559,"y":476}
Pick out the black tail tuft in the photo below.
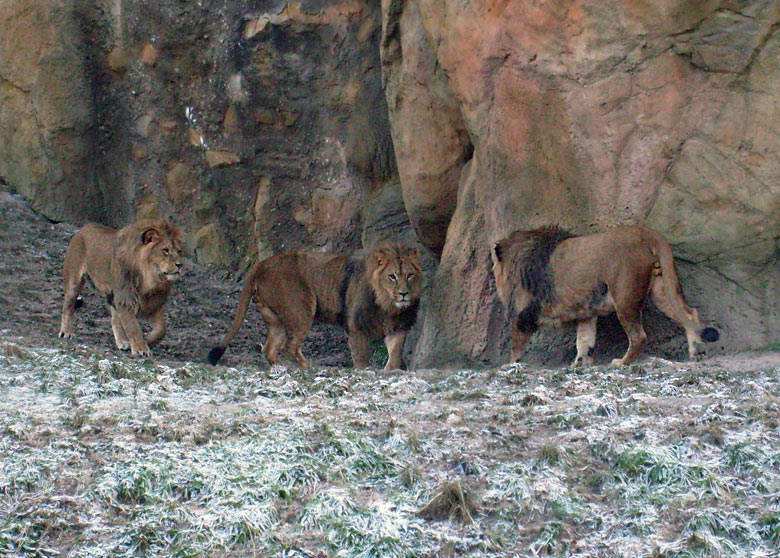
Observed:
{"x":215,"y":354}
{"x":79,"y":303}
{"x":710,"y":334}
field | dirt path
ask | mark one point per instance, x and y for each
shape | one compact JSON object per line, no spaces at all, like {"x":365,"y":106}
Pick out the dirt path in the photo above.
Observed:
{"x":31,"y":254}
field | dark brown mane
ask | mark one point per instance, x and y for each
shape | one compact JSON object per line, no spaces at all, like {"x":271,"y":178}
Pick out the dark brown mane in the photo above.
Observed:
{"x":532,"y":258}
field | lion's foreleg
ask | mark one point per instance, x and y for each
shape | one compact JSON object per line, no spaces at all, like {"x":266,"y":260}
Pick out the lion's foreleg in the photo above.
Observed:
{"x":395,"y":347}
{"x":133,"y":331}
{"x":158,"y":330}
{"x":359,"y":347}
{"x":586,"y":340}
{"x":120,"y":337}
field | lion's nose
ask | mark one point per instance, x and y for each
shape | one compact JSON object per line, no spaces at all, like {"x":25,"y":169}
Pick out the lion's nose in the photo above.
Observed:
{"x":403,"y":293}
{"x":178,"y":265}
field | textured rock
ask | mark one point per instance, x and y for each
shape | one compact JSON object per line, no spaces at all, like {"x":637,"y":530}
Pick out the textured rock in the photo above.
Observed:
{"x":429,"y":134}
{"x":45,"y":111}
{"x":99,"y":103}
{"x":590,"y":113}
{"x":208,"y":246}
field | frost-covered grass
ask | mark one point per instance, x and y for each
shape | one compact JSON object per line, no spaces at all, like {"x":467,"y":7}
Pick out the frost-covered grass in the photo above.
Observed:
{"x":134,"y":458}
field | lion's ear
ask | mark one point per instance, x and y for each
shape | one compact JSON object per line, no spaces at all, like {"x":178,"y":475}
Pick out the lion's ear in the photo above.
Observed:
{"x":497,"y":253}
{"x":150,"y":235}
{"x":380,"y":258}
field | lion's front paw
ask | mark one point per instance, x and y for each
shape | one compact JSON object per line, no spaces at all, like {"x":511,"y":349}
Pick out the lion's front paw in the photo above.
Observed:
{"x":123,"y":346}
{"x":582,"y":361}
{"x":618,"y":362}
{"x":140,"y":351}
{"x":65,"y":334}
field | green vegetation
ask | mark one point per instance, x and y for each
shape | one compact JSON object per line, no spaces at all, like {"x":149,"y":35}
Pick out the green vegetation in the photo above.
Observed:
{"x":135,"y":458}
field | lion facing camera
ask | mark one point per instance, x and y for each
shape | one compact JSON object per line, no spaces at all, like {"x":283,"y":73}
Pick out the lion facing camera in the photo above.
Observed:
{"x":547,"y":276}
{"x":373,"y":295}
{"x":135,"y":268}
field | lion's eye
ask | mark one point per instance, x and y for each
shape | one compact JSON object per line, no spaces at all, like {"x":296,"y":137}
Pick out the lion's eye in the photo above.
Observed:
{"x":393,"y":278}
{"x":167,"y":252}
{"x":410,"y":277}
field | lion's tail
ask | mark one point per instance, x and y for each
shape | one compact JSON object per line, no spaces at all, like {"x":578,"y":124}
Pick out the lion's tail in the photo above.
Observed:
{"x":678,"y":309}
{"x":243,"y":305}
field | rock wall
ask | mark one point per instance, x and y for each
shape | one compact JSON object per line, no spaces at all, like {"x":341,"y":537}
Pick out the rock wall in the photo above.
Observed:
{"x":590,"y":113}
{"x":256,"y":127}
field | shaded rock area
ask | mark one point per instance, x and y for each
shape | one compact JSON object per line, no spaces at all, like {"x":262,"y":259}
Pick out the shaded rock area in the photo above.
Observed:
{"x":587,"y":114}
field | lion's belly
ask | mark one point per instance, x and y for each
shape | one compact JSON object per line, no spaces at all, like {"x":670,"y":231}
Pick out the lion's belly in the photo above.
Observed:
{"x":597,"y":304}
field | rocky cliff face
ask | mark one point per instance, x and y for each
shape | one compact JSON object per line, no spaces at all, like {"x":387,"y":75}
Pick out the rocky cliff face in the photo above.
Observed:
{"x":257,"y":128}
{"x":586,"y":114}
{"x":291,"y":125}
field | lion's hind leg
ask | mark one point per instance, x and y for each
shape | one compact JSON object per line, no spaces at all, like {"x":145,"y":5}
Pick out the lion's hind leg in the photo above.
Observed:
{"x":629,"y":299}
{"x":676,"y":308}
{"x":586,"y":340}
{"x":287,"y":329}
{"x":74,"y":277}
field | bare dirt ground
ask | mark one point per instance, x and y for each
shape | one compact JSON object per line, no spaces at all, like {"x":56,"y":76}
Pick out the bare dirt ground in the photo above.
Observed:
{"x":199,"y":312}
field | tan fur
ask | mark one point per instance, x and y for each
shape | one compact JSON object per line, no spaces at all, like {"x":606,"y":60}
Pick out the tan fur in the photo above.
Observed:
{"x":134,"y":267}
{"x":593,"y":275}
{"x":373,"y":296}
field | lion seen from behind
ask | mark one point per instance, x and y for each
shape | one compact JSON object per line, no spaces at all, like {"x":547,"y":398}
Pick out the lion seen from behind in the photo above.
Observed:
{"x":373,"y":294}
{"x":135,"y":268}
{"x":548,"y":276}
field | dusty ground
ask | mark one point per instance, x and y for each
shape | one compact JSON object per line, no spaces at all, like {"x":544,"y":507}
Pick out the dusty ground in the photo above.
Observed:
{"x":199,"y":312}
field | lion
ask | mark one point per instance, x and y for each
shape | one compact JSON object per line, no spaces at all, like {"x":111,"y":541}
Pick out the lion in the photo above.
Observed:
{"x":373,"y":295}
{"x":135,"y":268}
{"x":548,"y":276}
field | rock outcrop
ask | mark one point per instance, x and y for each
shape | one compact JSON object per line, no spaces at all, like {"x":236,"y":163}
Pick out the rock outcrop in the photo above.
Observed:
{"x":586,"y":114}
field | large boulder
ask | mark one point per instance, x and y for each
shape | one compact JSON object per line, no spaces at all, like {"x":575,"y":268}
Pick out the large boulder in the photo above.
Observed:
{"x":587,"y":114}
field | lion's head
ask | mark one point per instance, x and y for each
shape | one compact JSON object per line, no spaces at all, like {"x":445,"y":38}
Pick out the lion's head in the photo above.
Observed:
{"x":395,"y":276}
{"x":152,"y":249}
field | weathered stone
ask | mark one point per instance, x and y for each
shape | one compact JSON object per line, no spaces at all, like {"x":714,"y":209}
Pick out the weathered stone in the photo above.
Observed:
{"x":149,"y":54}
{"x":118,"y":60}
{"x":180,"y":182}
{"x":429,"y":135}
{"x":147,"y":208}
{"x":143,"y":125}
{"x":208,"y":246}
{"x":221,"y":158}
{"x":45,"y":111}
{"x":195,"y":137}
{"x":230,"y":121}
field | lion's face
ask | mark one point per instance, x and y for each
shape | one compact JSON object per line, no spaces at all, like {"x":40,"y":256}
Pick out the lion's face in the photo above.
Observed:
{"x":161,"y":254}
{"x":397,"y":276}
